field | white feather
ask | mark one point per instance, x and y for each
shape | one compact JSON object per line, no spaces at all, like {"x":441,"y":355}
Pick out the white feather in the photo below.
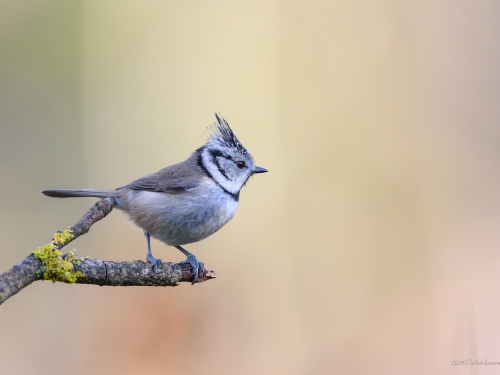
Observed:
{"x":182,"y":218}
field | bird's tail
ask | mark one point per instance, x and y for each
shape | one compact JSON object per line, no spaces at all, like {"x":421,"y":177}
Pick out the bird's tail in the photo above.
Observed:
{"x":71,"y":193}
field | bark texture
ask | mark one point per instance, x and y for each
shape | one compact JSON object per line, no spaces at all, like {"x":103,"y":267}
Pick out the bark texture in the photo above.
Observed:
{"x":48,"y":263}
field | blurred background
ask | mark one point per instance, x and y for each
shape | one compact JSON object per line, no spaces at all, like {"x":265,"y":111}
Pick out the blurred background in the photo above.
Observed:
{"x":371,"y":246}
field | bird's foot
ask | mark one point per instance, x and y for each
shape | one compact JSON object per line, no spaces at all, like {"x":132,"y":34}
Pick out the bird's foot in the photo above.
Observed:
{"x":154,"y":263}
{"x":196,"y":265}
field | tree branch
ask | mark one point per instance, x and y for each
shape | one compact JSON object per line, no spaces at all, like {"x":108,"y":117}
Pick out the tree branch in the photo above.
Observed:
{"x":48,"y":263}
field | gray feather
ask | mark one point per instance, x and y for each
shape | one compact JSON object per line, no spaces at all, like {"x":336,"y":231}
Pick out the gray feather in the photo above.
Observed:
{"x":171,"y":185}
{"x":71,"y":193}
{"x":173,"y":179}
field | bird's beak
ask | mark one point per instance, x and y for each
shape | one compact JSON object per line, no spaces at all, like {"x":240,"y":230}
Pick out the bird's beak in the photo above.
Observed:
{"x":259,"y":170}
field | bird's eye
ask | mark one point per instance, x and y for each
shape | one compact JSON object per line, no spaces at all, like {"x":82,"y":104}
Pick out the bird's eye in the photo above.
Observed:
{"x":240,"y":164}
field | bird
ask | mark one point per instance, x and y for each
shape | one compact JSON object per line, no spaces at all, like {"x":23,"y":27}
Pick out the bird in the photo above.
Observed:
{"x":188,"y":201}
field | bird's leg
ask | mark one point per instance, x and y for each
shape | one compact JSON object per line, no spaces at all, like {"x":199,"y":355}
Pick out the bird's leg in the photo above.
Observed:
{"x":195,"y":263}
{"x":149,"y":257}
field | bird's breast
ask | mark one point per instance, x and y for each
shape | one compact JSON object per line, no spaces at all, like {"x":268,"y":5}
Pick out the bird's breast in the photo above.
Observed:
{"x":183,"y":217}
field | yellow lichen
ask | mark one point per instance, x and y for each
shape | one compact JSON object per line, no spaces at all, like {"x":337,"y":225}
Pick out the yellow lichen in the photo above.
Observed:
{"x":55,"y":265}
{"x":63,"y":237}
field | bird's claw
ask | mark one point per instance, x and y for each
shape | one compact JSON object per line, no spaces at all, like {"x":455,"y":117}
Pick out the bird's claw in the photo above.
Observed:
{"x":195,"y":265}
{"x":154,"y":263}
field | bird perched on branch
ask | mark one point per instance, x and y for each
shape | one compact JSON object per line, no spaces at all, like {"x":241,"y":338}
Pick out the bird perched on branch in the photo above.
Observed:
{"x":185,"y":202}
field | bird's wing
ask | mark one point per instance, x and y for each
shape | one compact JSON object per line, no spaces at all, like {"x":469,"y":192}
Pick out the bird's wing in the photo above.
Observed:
{"x":176,"y":178}
{"x":163,"y":185}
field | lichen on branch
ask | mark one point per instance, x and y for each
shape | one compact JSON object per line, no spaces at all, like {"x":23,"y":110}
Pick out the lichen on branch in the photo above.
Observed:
{"x":49,"y":263}
{"x":55,"y":265}
{"x":62,"y":238}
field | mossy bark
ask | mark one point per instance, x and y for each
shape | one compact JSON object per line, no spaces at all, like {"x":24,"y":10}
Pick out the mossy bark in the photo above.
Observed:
{"x":100,"y":272}
{"x":47,"y":263}
{"x":19,"y":277}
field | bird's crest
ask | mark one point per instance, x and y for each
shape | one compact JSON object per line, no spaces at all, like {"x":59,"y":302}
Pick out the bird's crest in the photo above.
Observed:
{"x":221,"y":133}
